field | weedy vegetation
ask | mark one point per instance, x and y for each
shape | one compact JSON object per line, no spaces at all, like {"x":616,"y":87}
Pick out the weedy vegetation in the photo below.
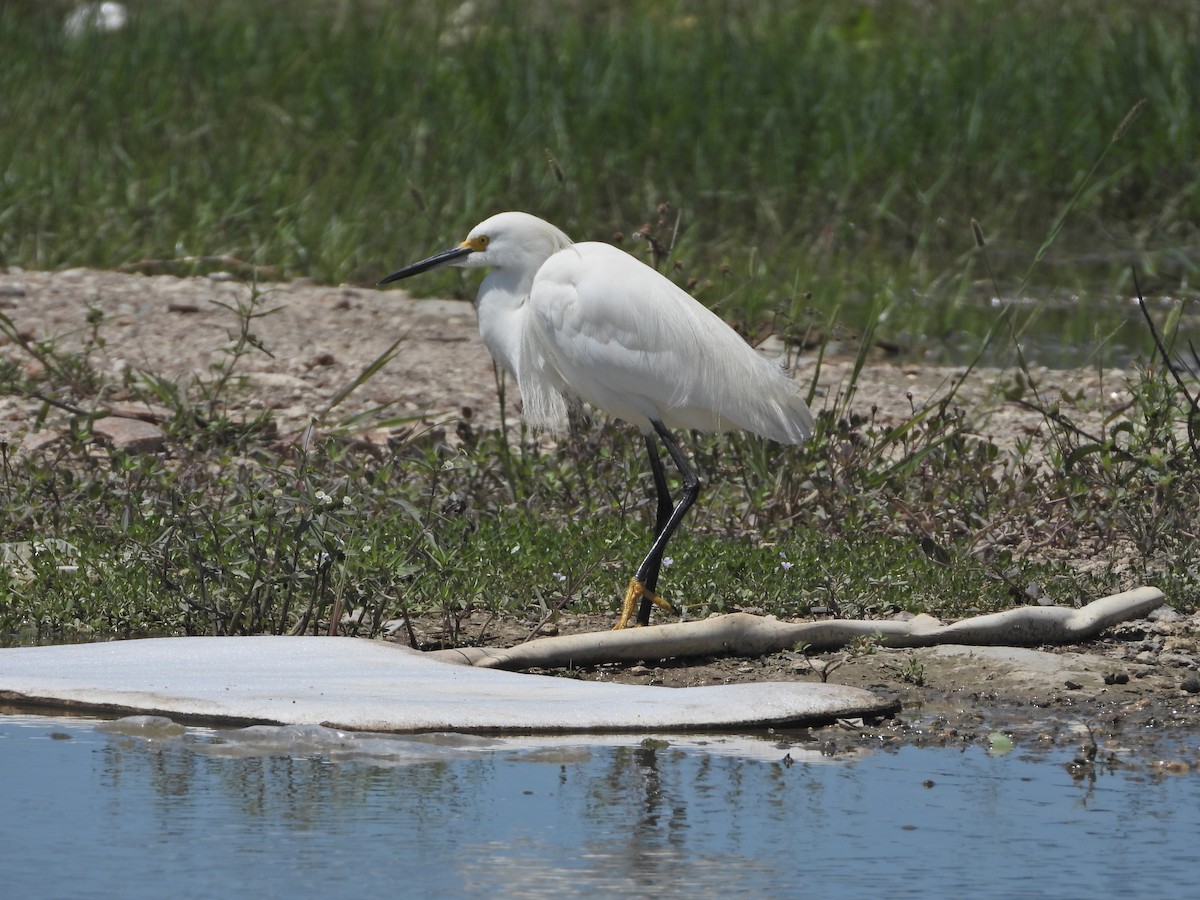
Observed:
{"x":831,"y":159}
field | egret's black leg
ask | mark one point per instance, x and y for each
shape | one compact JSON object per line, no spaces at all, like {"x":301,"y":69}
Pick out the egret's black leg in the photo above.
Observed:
{"x":668,"y":519}
{"x":662,"y":516}
{"x":662,"y":493}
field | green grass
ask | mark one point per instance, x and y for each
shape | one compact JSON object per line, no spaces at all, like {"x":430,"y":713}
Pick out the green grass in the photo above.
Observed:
{"x":234,"y":532}
{"x":818,"y":155}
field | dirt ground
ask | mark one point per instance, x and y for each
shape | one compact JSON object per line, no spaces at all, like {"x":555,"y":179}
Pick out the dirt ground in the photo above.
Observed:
{"x":1131,"y":697}
{"x":1137,"y":687}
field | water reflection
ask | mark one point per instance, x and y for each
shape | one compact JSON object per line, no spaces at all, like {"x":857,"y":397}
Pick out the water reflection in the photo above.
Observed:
{"x":193,"y":813}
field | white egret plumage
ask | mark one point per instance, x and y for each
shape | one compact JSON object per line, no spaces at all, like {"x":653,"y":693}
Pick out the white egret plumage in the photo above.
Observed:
{"x":588,"y":322}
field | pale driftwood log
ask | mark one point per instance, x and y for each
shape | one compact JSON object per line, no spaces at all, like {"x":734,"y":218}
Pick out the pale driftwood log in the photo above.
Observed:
{"x":740,"y":634}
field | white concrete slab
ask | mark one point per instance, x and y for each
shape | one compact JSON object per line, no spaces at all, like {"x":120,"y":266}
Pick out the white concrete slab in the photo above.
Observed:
{"x":376,"y":686}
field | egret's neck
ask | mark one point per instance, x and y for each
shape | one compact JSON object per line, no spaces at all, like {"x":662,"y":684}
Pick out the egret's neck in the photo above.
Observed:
{"x":501,"y":306}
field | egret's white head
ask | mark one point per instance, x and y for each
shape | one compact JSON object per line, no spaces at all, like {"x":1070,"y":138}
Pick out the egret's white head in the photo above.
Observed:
{"x":507,"y":240}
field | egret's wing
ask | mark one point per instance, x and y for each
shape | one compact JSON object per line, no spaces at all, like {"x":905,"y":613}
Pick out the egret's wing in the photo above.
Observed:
{"x":619,"y":335}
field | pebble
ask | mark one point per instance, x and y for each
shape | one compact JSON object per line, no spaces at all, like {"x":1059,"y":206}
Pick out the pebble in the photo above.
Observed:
{"x":129,"y":435}
{"x":1181,"y":660}
{"x":38,"y":440}
{"x":1165,"y":613}
{"x":1191,"y":684}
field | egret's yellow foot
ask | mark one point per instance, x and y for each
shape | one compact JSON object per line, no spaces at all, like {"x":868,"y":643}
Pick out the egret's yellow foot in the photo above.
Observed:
{"x":635,"y":592}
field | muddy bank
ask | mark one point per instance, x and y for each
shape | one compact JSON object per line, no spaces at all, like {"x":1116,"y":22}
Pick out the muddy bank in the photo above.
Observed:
{"x":1130,"y":697}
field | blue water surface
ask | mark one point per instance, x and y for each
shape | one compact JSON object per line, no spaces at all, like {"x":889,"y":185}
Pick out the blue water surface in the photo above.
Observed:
{"x":84,"y":813}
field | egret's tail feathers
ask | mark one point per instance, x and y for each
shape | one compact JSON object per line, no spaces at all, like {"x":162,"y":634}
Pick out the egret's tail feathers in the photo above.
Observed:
{"x":785,"y":418}
{"x":758,"y":396}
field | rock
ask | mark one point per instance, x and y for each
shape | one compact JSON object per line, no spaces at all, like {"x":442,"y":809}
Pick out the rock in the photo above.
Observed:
{"x":274,"y":379}
{"x":1191,"y":684}
{"x":39,"y":440}
{"x":129,"y":435}
{"x":1165,"y":613}
{"x":1180,"y":660}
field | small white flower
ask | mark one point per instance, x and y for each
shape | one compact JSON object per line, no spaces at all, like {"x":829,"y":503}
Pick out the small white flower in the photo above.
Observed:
{"x":278,"y":492}
{"x":366,"y":548}
{"x":668,"y":561}
{"x":785,"y":565}
{"x":347,"y":501}
{"x":558,"y":576}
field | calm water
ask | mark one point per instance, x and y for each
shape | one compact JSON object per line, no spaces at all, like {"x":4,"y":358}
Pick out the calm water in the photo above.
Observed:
{"x":197,"y":813}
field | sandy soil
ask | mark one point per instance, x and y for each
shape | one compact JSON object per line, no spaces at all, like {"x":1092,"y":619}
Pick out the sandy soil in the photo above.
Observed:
{"x":321,"y":337}
{"x":1138,"y":685}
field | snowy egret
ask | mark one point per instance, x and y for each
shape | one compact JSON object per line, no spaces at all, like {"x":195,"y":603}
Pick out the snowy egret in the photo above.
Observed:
{"x":588,"y":322}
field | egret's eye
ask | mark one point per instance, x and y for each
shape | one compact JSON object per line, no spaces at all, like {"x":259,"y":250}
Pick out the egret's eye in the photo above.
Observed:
{"x":477,"y":243}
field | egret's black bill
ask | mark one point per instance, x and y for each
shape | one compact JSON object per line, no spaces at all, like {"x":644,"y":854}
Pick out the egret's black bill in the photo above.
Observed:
{"x":438,"y":259}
